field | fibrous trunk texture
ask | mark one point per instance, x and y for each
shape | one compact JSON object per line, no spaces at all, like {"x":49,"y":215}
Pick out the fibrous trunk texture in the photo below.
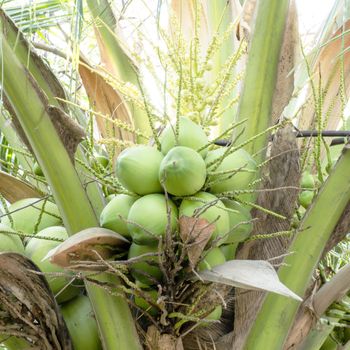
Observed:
{"x":282,"y":171}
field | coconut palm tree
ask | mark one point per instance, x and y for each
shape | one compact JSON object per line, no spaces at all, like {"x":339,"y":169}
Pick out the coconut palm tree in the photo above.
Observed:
{"x":82,"y":81}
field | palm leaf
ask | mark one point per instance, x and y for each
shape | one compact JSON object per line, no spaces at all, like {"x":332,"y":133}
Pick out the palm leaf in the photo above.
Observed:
{"x":31,"y":17}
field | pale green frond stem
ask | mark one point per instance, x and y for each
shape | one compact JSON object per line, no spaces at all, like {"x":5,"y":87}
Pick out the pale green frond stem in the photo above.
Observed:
{"x":261,"y":72}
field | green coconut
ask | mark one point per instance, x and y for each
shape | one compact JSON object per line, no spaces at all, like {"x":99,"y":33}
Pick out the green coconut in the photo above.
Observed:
{"x":137,"y":169}
{"x":25,"y":214}
{"x":235,"y":172}
{"x":36,"y":249}
{"x":209,"y":208}
{"x":238,"y":214}
{"x":182,"y":171}
{"x":307,"y":180}
{"x":100,"y":160}
{"x":146,"y":265}
{"x":145,"y":305}
{"x":148,"y":218}
{"x":10,"y":242}
{"x":305,"y":198}
{"x":115,"y":214}
{"x":37,"y":169}
{"x":212,"y":258}
{"x":80,"y":320}
{"x":229,"y":250}
{"x":110,"y":197}
{"x":190,"y":135}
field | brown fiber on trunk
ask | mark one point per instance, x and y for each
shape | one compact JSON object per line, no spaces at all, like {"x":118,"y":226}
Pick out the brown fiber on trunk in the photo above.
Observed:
{"x":28,"y":307}
{"x":282,"y":170}
{"x":205,"y":337}
{"x":157,"y":341}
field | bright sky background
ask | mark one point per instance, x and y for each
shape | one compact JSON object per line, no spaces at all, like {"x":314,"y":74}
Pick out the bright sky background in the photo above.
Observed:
{"x":312,"y":14}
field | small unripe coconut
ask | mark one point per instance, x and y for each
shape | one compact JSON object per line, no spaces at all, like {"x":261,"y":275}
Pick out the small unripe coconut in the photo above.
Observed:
{"x":10,"y":242}
{"x":238,"y":214}
{"x":148,"y":264}
{"x":26,"y":214}
{"x":209,"y":208}
{"x":305,"y":198}
{"x":235,"y":172}
{"x":229,"y":250}
{"x":137,"y":169}
{"x":110,"y":197}
{"x":212,"y":258}
{"x":115,"y":214}
{"x":295,"y":221}
{"x":145,"y":305}
{"x":81,"y":323}
{"x":148,"y":218}
{"x":190,"y":135}
{"x":37,"y":169}
{"x":307,"y":180}
{"x":36,"y":249}
{"x":182,"y":171}
{"x":99,"y":160}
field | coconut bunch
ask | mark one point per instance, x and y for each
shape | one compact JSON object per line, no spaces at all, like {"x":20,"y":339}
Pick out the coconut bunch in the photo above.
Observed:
{"x":33,"y":227}
{"x":178,"y":211}
{"x":179,"y":185}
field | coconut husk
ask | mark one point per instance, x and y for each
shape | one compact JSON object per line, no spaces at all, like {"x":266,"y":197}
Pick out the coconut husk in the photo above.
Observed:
{"x":28,"y":308}
{"x":282,"y":170}
{"x":157,"y":341}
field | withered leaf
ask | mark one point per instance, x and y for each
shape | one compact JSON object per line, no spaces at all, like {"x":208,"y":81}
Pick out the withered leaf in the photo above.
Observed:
{"x":14,"y":189}
{"x":107,"y":101}
{"x":84,"y":245}
{"x":29,"y":309}
{"x":248,"y":274}
{"x":195,"y":233}
{"x":331,"y":71}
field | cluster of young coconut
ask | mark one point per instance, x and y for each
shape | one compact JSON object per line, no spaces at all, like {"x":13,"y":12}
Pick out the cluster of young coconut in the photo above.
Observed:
{"x":179,"y":178}
{"x":40,"y":217}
